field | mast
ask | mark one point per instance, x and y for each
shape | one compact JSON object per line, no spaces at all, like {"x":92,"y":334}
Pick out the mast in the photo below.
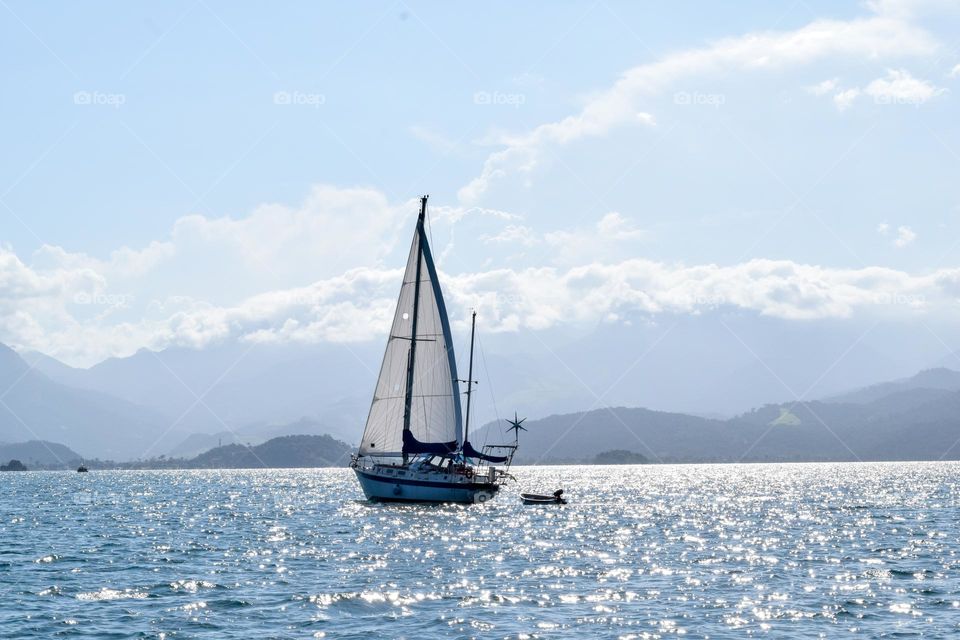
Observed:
{"x":411,"y":357}
{"x":473,"y":330}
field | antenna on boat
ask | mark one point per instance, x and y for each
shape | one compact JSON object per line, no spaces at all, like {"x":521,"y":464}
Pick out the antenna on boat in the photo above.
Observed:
{"x":470,"y":381}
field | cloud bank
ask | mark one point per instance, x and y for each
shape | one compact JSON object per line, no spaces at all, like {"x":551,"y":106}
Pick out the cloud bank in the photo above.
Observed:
{"x":889,"y":34}
{"x":41,"y":309}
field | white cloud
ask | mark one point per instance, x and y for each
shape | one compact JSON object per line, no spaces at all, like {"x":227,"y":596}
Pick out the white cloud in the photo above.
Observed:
{"x":514,"y":233}
{"x":357,"y":305}
{"x":573,"y":244}
{"x":905,"y":236}
{"x":824,"y":87}
{"x":614,"y":226}
{"x":20,"y":283}
{"x":872,"y":37}
{"x":225,"y":259}
{"x":610,"y":238}
{"x":844,"y":99}
{"x":453,"y":215}
{"x":955,"y":72}
{"x":86,"y":308}
{"x":646,"y":118}
{"x":333,"y":230}
{"x":122,"y":263}
{"x":899,"y":87}
{"x":542,"y":297}
{"x":539,"y":298}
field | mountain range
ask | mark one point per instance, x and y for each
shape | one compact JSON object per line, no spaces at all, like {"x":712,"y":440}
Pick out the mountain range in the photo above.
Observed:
{"x":181,"y":402}
{"x":917,"y":418}
{"x":35,"y":407}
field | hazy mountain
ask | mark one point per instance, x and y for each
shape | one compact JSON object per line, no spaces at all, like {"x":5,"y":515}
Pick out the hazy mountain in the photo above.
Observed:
{"x":39,"y":453}
{"x":35,"y":407}
{"x":582,"y":436}
{"x":51,"y":367}
{"x":939,"y":378}
{"x":250,"y":435}
{"x":715,"y":364}
{"x":283,"y":452}
{"x":231,"y":386}
{"x":689,"y":364}
{"x":906,"y":424}
{"x":681,"y":366}
{"x":915,"y":423}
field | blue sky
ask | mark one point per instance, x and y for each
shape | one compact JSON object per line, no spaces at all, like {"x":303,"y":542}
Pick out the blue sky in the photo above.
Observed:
{"x":187,"y":172}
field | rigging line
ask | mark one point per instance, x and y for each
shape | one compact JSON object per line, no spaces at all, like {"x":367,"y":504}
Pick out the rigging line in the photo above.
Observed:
{"x":493,"y":399}
{"x":430,"y":227}
{"x":426,"y":417}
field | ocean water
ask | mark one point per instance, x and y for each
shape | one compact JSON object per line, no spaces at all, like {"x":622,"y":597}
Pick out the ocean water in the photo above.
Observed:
{"x":804,"y":550}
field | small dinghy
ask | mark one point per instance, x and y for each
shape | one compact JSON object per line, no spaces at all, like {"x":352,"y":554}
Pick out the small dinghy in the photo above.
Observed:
{"x":536,"y":498}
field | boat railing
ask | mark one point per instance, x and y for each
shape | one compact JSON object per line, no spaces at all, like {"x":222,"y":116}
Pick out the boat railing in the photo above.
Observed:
{"x":477,"y":469}
{"x":482,"y":468}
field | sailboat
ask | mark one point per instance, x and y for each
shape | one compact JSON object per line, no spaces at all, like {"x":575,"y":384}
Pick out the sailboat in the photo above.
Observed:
{"x":415,"y":446}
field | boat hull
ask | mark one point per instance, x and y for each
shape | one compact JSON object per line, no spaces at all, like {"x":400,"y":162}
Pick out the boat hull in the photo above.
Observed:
{"x":544,"y":501}
{"x":416,"y":487}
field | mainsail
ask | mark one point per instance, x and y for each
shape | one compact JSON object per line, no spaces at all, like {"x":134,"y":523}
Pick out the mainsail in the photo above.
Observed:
{"x":419,"y":336}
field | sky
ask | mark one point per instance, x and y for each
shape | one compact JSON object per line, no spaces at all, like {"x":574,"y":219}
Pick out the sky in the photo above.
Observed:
{"x":188,"y":173}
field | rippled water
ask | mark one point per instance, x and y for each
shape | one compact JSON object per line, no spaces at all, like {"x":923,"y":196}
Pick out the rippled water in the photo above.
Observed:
{"x":814,"y":550}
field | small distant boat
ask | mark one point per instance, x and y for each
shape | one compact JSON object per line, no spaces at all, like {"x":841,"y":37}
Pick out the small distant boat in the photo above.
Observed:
{"x":82,"y":469}
{"x":536,"y":498}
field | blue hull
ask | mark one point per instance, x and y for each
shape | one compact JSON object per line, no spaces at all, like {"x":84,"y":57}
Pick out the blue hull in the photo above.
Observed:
{"x":419,"y":487}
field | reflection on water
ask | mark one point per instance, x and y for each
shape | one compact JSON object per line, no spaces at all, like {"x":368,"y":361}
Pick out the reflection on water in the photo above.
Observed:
{"x":812,"y":550}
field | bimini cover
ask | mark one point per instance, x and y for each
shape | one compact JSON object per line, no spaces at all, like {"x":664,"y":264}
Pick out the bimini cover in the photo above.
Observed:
{"x":412,"y":445}
{"x":470,"y":452}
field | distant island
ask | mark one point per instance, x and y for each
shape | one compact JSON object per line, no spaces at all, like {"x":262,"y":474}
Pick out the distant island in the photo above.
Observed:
{"x":13,"y":465}
{"x":620,"y":456}
{"x":283,"y":452}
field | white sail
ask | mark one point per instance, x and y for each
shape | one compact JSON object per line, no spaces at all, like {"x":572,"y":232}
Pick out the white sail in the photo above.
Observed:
{"x":435,"y":400}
